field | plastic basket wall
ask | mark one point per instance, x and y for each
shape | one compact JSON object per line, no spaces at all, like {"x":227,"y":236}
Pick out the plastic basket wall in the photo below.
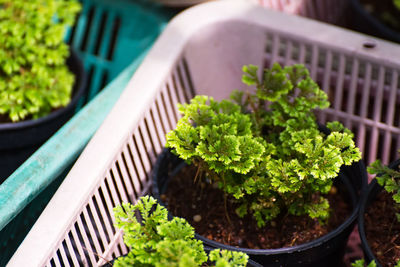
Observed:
{"x":206,"y":57}
{"x":109,"y":36}
{"x":330,"y":11}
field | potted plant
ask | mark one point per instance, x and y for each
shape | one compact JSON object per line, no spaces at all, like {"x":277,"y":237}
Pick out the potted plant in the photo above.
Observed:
{"x":261,"y":171}
{"x":40,"y":80}
{"x":379,"y":219}
{"x":156,"y":241}
{"x":378,"y":18}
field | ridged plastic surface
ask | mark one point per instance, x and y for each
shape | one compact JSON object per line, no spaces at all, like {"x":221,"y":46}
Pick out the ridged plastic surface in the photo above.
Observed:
{"x":202,"y":52}
{"x":109,"y":36}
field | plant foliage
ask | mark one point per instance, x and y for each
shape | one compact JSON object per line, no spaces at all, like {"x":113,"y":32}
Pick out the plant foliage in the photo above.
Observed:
{"x":33,"y":76}
{"x":156,"y":241}
{"x":265,"y":148}
{"x":361,"y":263}
{"x":389,"y":179}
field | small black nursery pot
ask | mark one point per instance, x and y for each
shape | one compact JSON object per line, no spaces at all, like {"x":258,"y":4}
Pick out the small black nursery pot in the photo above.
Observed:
{"x":19,"y":140}
{"x":367,"y":199}
{"x":250,"y":263}
{"x":327,"y":250}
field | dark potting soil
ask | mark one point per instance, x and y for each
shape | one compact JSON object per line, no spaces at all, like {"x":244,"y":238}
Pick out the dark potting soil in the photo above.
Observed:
{"x":203,"y":206}
{"x":383,"y":230}
{"x":385,"y":11}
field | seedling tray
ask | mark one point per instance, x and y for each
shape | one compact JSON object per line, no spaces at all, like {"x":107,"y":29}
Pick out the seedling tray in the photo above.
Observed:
{"x":111,"y":37}
{"x":202,"y":51}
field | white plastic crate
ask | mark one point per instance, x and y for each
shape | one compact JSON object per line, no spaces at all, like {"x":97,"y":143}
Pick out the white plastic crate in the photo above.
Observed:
{"x":202,"y":51}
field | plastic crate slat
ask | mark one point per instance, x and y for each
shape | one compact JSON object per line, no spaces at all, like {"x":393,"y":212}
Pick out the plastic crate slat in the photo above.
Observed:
{"x":63,"y":259}
{"x":102,"y":219}
{"x":152,"y":130}
{"x":386,"y":157}
{"x":339,"y":85}
{"x":72,"y":252}
{"x":162,"y":114}
{"x":173,"y":98}
{"x":177,"y":87}
{"x":302,"y":54}
{"x":326,"y":78}
{"x":91,"y":38}
{"x":106,"y":42}
{"x":140,"y":163}
{"x":90,"y":257}
{"x":77,"y":246}
{"x":364,"y":105}
{"x":109,"y":205}
{"x":165,"y":96}
{"x":119,"y":175}
{"x":81,"y":25}
{"x":275,"y":49}
{"x":288,"y":53}
{"x":392,"y":97}
{"x":184,"y":77}
{"x":116,"y":239}
{"x":92,"y":232}
{"x":132,"y":169}
{"x":158,"y":125}
{"x":314,"y":62}
{"x":376,"y":116}
{"x":352,"y":89}
{"x":379,"y":95}
{"x":130,"y":183}
{"x":59,"y":262}
{"x":146,"y":146}
{"x":113,"y":191}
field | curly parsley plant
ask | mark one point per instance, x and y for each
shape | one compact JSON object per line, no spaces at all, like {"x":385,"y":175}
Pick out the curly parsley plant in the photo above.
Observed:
{"x":156,"y":241}
{"x":265,"y":148}
{"x":34,"y":79}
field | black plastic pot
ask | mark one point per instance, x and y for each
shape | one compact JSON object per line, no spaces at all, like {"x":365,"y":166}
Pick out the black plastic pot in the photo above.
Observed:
{"x":250,"y":263}
{"x":367,"y":198}
{"x":20,"y":140}
{"x":327,"y":250}
{"x":364,"y":22}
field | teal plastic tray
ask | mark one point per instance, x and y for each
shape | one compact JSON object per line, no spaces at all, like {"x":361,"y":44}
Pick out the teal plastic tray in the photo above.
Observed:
{"x":111,"y":36}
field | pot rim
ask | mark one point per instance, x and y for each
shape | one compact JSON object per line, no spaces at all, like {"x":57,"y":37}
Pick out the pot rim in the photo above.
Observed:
{"x":366,"y":199}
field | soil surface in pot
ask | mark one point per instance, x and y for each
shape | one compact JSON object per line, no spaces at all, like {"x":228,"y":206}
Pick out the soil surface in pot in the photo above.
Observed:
{"x":383,"y":230}
{"x":385,"y":11}
{"x":203,"y":206}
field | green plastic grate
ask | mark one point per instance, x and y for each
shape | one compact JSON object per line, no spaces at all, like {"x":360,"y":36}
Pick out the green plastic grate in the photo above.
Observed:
{"x":110,"y":34}
{"x":111,"y":37}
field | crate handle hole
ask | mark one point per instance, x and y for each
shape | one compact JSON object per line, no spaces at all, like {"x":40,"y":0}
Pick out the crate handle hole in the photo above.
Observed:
{"x":369,"y":44}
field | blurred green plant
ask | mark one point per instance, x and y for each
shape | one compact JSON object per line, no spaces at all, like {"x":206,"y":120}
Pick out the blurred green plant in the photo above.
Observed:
{"x":34,"y":79}
{"x":265,"y":148}
{"x":361,"y":263}
{"x":389,"y":179}
{"x":156,"y":241}
{"x":396,"y":3}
